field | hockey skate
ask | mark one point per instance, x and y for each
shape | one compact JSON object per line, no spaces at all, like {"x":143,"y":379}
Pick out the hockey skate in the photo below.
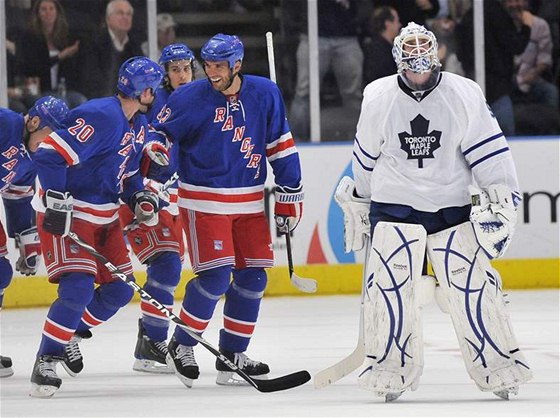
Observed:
{"x":6,"y":367}
{"x":180,"y":359}
{"x":252,"y":368}
{"x":44,"y":380}
{"x":150,"y":354}
{"x":73,"y":361}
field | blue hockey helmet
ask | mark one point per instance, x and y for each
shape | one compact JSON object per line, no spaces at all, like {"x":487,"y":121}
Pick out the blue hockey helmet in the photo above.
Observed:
{"x":51,"y":110}
{"x":223,"y":48}
{"x":138,"y":74}
{"x":175,"y":52}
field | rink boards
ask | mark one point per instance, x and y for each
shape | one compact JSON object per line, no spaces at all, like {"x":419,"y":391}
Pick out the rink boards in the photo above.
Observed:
{"x":318,"y":241}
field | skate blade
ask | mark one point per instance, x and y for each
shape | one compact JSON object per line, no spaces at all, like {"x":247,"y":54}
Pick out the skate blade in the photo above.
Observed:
{"x":151,"y":366}
{"x":42,"y":391}
{"x":6,"y":372}
{"x":390,"y":397}
{"x":184,"y":380}
{"x":233,"y":379}
{"x":504,"y":394}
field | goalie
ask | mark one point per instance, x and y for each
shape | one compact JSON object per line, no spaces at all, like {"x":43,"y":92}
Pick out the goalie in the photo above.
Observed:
{"x":422,"y":138}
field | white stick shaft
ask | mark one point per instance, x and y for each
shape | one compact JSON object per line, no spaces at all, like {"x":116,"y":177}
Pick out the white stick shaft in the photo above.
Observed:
{"x":270,"y":52}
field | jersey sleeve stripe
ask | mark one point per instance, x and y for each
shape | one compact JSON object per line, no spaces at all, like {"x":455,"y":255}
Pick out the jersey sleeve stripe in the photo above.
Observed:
{"x":366,"y":168}
{"x":55,"y":142}
{"x":280,"y":148}
{"x":486,"y":157}
{"x":483,"y":142}
{"x":363,"y":151}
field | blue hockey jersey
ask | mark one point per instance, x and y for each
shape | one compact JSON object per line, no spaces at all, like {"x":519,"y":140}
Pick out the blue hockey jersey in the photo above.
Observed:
{"x":224,"y":142}
{"x":17,"y":173}
{"x":95,"y":158}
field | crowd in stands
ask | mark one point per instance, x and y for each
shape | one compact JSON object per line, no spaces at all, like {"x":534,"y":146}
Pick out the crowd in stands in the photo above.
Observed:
{"x":72,"y":49}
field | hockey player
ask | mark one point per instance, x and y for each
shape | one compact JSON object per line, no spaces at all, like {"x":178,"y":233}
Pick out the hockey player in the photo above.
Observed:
{"x":226,"y":127}
{"x":19,"y":135}
{"x":160,"y":247}
{"x":84,"y":169}
{"x":422,"y":137}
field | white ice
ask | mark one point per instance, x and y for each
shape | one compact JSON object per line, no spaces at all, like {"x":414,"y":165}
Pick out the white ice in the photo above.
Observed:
{"x":294,"y":333}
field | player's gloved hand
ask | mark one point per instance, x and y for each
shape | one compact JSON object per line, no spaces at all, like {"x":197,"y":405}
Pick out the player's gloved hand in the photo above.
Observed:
{"x":356,"y":215}
{"x":27,"y":242}
{"x":58,"y":215}
{"x":145,"y":205}
{"x":494,"y":215}
{"x":154,"y":159}
{"x":288,"y":208}
{"x":157,"y":188}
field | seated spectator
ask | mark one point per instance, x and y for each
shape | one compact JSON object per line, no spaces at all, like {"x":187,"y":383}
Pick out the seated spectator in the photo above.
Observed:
{"x":378,"y":49}
{"x":533,"y":66}
{"x":48,"y":54}
{"x":102,"y":57}
{"x":165,"y":33}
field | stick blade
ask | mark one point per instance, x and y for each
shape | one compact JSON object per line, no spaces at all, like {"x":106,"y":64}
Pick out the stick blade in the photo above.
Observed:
{"x":341,"y":369}
{"x":304,"y":284}
{"x":283,"y":383}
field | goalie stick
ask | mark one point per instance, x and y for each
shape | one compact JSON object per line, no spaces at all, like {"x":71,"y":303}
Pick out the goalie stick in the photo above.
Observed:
{"x":302,"y":283}
{"x":355,"y":359}
{"x":271,"y":385}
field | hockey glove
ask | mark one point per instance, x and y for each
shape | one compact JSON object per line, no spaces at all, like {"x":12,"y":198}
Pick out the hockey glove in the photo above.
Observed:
{"x":144,"y":204}
{"x":356,"y":215}
{"x":494,"y":215}
{"x":58,"y":215}
{"x":159,"y":189}
{"x":154,"y":159}
{"x":288,"y":208}
{"x":29,"y":251}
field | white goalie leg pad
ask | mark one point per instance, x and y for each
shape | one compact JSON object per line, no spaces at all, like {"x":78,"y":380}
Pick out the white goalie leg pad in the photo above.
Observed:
{"x":472,"y":289}
{"x":392,"y":303}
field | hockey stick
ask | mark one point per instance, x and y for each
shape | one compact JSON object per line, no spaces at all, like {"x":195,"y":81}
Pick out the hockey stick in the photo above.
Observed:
{"x":304,"y":284}
{"x":355,"y":359}
{"x":271,"y":385}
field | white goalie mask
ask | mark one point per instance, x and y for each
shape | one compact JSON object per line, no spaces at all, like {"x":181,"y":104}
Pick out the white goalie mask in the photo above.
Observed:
{"x":415,"y":53}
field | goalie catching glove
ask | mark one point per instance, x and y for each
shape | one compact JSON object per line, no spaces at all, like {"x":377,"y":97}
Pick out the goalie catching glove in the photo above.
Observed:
{"x":29,"y":251}
{"x":493,"y":216}
{"x":58,"y":213}
{"x":288,"y":208}
{"x":154,"y":159}
{"x":145,"y":205}
{"x":356,"y":215}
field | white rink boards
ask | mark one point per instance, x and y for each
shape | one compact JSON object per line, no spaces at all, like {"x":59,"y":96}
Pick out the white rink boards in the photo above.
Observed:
{"x":293,"y":333}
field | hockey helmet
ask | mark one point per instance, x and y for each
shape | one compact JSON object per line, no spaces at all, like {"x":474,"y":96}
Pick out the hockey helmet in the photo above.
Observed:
{"x":175,"y":52}
{"x":415,"y":50}
{"x":223,"y":47}
{"x":138,"y":74}
{"x":51,"y":111}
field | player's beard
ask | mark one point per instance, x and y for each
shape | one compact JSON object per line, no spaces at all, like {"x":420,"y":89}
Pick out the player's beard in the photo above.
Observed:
{"x":145,"y":108}
{"x":225,"y":83}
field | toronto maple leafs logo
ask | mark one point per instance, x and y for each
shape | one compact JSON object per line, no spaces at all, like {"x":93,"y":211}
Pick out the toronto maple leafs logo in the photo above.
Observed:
{"x":420,"y":143}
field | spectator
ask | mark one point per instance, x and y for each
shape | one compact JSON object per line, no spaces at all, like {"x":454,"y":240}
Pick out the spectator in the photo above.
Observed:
{"x":166,"y":36}
{"x":165,"y":33}
{"x":417,"y":11}
{"x":503,"y":40}
{"x":339,"y":49}
{"x":378,"y":50}
{"x":48,"y":54}
{"x":102,"y":57}
{"x":533,"y":66}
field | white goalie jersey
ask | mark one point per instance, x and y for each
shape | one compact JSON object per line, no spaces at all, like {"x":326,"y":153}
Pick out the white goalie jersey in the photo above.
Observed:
{"x":425,"y":153}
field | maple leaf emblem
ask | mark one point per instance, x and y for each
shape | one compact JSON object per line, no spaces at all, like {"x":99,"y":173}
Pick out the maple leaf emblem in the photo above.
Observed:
{"x":420,"y":143}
